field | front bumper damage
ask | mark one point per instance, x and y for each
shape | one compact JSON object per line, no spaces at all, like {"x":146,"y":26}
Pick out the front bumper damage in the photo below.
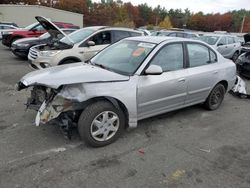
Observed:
{"x":51,"y":107}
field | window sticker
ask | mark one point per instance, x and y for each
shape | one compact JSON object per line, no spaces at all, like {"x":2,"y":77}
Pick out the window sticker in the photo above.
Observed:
{"x":138,"y":52}
{"x":146,"y":45}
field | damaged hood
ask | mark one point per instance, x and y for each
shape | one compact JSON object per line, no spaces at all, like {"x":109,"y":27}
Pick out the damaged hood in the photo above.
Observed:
{"x":74,"y":73}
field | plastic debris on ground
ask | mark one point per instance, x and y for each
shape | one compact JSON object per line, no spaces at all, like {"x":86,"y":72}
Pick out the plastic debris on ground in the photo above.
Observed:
{"x":239,"y":89}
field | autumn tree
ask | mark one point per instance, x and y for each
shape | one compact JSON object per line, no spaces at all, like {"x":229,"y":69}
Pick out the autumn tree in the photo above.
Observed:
{"x":166,"y":23}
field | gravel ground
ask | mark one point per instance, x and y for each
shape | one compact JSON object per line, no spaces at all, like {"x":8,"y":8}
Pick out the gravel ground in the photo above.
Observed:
{"x":186,"y":148}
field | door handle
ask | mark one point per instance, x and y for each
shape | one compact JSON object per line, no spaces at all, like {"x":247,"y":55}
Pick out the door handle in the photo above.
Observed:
{"x":215,"y":72}
{"x":182,"y":80}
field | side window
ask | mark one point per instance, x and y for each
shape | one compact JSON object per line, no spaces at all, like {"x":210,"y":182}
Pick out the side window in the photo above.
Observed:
{"x":198,"y":55}
{"x":118,"y":35}
{"x":134,"y":34}
{"x":39,"y":28}
{"x":180,"y":35}
{"x":230,"y":40}
{"x":223,"y":41}
{"x":170,"y":57}
{"x":172,"y":34}
{"x":6,"y":27}
{"x":102,"y":38}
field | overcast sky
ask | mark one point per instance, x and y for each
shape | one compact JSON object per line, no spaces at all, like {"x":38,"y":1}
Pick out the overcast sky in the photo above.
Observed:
{"x":206,"y":6}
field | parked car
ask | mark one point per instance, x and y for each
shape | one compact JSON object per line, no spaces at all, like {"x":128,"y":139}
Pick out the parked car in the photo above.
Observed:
{"x":243,"y":61}
{"x":33,"y":30}
{"x":9,"y":23}
{"x":176,"y":34}
{"x":133,"y":79}
{"x":245,"y":47}
{"x":5,"y":27}
{"x":21,"y":47}
{"x":79,"y":46}
{"x":228,"y":45}
{"x":243,"y":64}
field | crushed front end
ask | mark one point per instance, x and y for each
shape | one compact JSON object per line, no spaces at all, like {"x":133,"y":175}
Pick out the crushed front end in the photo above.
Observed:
{"x":52,"y":107}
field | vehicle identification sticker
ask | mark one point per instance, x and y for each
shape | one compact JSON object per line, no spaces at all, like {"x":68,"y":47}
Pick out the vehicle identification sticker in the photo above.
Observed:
{"x":146,"y":45}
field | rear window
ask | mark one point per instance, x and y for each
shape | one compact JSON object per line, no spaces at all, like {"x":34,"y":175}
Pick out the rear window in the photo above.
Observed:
{"x":118,"y":35}
{"x":230,"y":40}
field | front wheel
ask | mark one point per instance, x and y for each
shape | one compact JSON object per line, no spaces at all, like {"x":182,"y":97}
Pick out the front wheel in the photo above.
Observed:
{"x":101,"y":123}
{"x":215,"y":98}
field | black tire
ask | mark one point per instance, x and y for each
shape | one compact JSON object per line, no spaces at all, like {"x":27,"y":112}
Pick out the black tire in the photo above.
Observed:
{"x":235,"y":56}
{"x":215,"y":98}
{"x":89,"y":115}
{"x":69,"y":61}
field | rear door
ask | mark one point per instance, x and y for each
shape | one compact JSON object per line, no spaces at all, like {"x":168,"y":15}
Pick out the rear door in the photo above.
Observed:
{"x":202,"y":72}
{"x":161,"y":93}
{"x":102,"y":39}
{"x":233,"y":46}
{"x":222,"y":46}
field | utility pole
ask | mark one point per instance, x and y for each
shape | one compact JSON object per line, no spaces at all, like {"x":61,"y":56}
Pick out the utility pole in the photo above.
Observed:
{"x":242,"y":24}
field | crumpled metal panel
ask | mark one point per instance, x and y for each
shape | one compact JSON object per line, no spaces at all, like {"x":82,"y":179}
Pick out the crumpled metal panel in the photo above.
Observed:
{"x":85,"y":91}
{"x":57,"y":76}
{"x":52,"y":110}
{"x":240,"y":86}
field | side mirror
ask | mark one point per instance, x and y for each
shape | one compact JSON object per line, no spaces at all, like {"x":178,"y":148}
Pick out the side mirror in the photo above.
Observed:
{"x":220,"y":44}
{"x":154,"y":70}
{"x":90,"y":43}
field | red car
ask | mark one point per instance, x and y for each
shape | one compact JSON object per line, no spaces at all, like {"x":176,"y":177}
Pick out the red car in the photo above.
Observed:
{"x":33,"y":30}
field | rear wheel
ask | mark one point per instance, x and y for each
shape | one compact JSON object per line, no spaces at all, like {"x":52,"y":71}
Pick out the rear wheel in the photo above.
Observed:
{"x":215,"y":98}
{"x":101,"y":123}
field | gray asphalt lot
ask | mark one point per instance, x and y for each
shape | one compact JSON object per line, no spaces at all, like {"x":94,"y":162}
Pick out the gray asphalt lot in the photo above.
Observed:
{"x":186,"y":148}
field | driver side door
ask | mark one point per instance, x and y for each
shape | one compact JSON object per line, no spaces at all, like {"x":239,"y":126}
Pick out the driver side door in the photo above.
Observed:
{"x":101,"y":39}
{"x":162,"y":93}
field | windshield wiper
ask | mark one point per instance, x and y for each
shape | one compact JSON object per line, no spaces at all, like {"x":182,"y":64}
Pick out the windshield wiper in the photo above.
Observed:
{"x":99,"y":65}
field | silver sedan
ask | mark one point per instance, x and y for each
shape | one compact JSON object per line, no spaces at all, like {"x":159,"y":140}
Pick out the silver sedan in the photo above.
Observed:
{"x":131,"y":80}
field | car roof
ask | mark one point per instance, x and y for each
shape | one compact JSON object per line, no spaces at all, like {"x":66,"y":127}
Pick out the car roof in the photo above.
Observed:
{"x":111,"y":28}
{"x":158,"y":40}
{"x":122,"y":29}
{"x":218,"y":35}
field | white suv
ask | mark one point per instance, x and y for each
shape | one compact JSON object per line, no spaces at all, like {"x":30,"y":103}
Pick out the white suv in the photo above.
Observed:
{"x":228,"y":45}
{"x":79,"y":46}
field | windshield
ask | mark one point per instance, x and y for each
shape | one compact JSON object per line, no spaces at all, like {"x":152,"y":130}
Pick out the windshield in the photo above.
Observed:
{"x":209,"y":39}
{"x":31,"y":26}
{"x":78,"y":36}
{"x":124,"y":57}
{"x":44,"y":36}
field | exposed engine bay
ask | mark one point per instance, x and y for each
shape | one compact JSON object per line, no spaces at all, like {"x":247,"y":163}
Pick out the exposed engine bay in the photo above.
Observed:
{"x":54,"y":45}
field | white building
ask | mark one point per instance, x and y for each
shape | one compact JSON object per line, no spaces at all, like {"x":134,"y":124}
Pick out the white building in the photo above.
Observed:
{"x":24,"y":15}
